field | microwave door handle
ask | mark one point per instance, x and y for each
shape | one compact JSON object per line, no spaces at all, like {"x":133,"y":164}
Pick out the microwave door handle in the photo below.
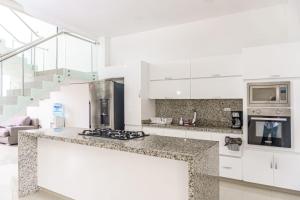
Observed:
{"x":269,"y":119}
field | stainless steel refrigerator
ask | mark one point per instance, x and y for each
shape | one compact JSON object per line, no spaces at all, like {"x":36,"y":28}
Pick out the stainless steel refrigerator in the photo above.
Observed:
{"x":106,"y":106}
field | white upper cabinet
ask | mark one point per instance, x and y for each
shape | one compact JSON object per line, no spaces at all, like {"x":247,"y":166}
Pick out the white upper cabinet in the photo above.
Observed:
{"x":286,"y":171}
{"x":258,"y":167}
{"x":170,"y":70}
{"x":216,"y":66}
{"x":170,"y":89}
{"x":295,"y":102}
{"x":217,"y":88}
{"x":273,"y":61}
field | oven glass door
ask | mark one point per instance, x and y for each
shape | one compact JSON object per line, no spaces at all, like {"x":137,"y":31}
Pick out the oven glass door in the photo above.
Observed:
{"x":269,"y":131}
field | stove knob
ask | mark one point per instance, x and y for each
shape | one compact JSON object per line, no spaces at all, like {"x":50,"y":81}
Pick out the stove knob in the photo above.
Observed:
{"x":278,"y":112}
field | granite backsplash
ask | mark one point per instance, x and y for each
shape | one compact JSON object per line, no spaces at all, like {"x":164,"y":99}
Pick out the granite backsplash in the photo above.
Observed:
{"x":210,"y":112}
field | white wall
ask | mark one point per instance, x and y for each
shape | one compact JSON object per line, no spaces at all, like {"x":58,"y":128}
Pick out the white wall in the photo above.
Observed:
{"x":223,"y":35}
{"x":75,"y":99}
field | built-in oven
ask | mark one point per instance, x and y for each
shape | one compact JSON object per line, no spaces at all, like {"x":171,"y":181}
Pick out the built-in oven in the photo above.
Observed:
{"x":269,"y":94}
{"x":269,"y":127}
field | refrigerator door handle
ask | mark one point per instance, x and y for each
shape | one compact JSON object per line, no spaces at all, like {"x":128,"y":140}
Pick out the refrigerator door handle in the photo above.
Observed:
{"x":90,"y":115}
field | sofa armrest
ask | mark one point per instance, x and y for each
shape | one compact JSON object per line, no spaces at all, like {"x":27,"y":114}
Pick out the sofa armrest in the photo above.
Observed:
{"x":13,"y":131}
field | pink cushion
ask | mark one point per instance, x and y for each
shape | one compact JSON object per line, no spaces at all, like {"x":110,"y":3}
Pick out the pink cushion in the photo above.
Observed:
{"x":4,"y":132}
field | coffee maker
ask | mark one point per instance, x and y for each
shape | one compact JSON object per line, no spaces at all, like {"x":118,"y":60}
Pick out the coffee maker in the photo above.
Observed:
{"x":237,"y":119}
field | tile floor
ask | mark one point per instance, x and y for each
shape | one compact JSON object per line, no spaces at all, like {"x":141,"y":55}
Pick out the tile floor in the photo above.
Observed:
{"x":228,"y":190}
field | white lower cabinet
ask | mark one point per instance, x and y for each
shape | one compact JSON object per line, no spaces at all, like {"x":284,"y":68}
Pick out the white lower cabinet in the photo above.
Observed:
{"x":287,"y":171}
{"x":258,"y":167}
{"x":274,"y":169}
{"x":230,"y":167}
{"x":230,"y":161}
{"x":174,"y":133}
{"x":198,"y":135}
{"x":164,"y":132}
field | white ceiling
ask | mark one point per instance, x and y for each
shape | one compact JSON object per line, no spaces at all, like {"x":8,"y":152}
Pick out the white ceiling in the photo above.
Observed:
{"x":117,"y":17}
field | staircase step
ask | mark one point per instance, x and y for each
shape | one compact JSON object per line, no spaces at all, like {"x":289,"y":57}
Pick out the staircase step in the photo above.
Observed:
{"x":8,"y":100}
{"x":38,"y":84}
{"x":12,"y":100}
{"x":50,"y":72}
{"x":19,"y":92}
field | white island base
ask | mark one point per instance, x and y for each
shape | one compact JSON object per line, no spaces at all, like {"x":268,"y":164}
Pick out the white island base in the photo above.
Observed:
{"x":89,"y":173}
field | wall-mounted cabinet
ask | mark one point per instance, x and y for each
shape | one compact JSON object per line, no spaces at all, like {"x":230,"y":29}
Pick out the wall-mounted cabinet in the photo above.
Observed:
{"x":170,"y":89}
{"x":216,"y":66}
{"x":274,"y":169}
{"x":170,"y":71}
{"x":273,"y":61}
{"x":206,"y":78}
{"x":217,"y":88}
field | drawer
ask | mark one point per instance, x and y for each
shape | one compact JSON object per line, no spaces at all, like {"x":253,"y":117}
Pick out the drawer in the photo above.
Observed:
{"x":223,"y":150}
{"x":174,"y":133}
{"x":199,"y":135}
{"x":231,"y":167}
{"x":153,"y":131}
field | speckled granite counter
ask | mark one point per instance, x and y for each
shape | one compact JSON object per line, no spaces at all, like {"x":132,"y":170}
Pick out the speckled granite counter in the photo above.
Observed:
{"x":196,"y":128}
{"x":202,"y":157}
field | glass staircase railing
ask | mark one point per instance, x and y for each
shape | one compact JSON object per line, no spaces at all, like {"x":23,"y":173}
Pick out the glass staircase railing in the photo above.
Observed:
{"x":18,"y":29}
{"x":32,"y":71}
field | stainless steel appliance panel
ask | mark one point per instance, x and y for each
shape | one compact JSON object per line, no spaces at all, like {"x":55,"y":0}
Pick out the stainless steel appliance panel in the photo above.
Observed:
{"x":269,"y":127}
{"x":106,"y":111}
{"x":269,"y":94}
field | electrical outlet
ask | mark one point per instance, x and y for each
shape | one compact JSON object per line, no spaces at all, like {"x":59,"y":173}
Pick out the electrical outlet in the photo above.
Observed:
{"x":227,"y":109}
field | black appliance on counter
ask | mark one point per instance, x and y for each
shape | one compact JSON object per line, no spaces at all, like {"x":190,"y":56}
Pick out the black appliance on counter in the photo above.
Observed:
{"x":106,"y":105}
{"x":237,"y":119}
{"x":269,"y":127}
{"x":113,"y":134}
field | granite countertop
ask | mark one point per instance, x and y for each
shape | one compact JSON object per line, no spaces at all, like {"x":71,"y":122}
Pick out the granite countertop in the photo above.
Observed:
{"x":197,"y":128}
{"x":202,"y":157}
{"x":172,"y":146}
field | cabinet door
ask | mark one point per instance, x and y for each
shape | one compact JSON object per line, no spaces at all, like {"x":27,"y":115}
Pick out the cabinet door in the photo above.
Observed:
{"x":295,"y":99}
{"x":171,"y":70}
{"x":216,"y":66}
{"x":217,"y":88}
{"x":273,"y":61}
{"x":153,"y":131}
{"x":258,"y":167}
{"x":170,"y":89}
{"x":199,"y":135}
{"x":231,"y":167}
{"x":174,"y":133}
{"x":286,"y":171}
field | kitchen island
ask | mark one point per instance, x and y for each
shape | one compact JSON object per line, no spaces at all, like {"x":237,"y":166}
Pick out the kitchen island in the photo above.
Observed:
{"x":83,"y":167}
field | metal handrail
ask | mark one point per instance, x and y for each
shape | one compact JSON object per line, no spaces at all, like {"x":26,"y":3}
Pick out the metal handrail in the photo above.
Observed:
{"x":19,"y":41}
{"x":40,"y":41}
{"x":23,"y":21}
{"x":11,"y":34}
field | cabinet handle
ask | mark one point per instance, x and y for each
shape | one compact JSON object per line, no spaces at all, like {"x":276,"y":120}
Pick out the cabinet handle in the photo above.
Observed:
{"x":271,"y":165}
{"x":275,"y":76}
{"x":168,"y":78}
{"x":227,"y":167}
{"x":276,"y":167}
{"x":216,"y":75}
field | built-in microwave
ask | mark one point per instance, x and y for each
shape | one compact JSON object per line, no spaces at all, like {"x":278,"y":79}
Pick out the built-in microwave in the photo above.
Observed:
{"x":269,"y":94}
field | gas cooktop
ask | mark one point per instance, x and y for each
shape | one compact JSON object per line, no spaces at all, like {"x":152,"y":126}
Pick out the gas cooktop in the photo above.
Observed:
{"x":114,"y":134}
